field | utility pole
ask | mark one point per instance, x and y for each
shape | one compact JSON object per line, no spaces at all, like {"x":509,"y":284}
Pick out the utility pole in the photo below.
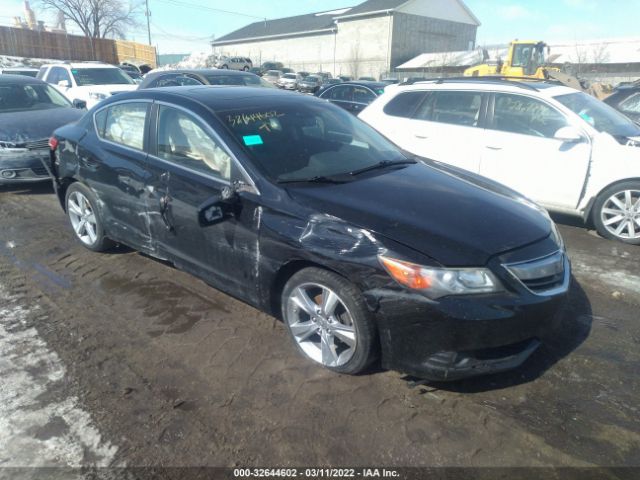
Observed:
{"x":148,"y":15}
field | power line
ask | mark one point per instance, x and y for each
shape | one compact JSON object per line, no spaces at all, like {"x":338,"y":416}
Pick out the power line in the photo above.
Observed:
{"x":182,"y":3}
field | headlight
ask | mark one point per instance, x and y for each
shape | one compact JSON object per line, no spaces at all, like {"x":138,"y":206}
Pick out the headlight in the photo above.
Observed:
{"x":555,"y":235}
{"x":441,"y":282}
{"x":97,"y":96}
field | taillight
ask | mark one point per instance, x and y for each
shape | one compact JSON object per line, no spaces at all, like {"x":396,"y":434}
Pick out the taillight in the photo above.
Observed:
{"x":53,"y":143}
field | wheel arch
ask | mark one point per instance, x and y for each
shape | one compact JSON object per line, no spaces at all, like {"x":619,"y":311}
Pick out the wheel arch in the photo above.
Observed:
{"x":63,"y":186}
{"x":587,"y":216}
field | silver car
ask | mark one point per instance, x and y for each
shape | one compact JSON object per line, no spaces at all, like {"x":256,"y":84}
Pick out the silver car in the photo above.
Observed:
{"x":234,"y":63}
{"x":289,"y":81}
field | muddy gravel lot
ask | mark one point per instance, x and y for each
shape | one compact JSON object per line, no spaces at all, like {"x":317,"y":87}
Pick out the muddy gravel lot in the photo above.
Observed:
{"x":120,"y":360}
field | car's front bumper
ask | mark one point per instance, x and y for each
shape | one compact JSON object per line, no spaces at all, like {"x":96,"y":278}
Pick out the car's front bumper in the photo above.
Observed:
{"x":25,"y":167}
{"x":463,"y":337}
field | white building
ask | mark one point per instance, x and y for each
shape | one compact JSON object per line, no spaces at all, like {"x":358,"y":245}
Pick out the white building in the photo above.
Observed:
{"x":366,"y":40}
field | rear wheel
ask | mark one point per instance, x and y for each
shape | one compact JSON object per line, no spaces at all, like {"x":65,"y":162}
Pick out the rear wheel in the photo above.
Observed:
{"x":246,"y":69}
{"x":616,"y":213}
{"x":85,"y":218}
{"x":328,"y":320}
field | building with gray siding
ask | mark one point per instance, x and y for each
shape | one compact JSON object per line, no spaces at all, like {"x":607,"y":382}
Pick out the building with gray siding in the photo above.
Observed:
{"x":369,"y":39}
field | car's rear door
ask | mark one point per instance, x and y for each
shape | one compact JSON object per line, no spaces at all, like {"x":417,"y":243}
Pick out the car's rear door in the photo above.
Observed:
{"x":113,"y":164}
{"x":520,"y":151}
{"x":191,"y":166}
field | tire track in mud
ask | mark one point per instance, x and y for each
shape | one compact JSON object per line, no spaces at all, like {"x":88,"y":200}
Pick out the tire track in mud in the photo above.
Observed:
{"x":178,"y":373}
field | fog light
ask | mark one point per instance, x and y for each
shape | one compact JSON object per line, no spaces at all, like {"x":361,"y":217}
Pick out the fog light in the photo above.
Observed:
{"x":9,"y":174}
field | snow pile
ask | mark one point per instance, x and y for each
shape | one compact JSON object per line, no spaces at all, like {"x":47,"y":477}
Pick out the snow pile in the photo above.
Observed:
{"x":193,"y":61}
{"x":8,"y":62}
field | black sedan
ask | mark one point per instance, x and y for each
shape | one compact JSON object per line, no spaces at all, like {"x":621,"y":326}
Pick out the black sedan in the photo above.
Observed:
{"x":310,"y":84}
{"x":353,"y":96}
{"x":204,"y":76}
{"x":302,"y":210}
{"x":30,"y":110}
{"x":626,"y":99}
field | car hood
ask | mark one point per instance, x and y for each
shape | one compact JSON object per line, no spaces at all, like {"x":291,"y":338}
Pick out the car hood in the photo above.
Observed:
{"x":455,"y":217}
{"x":109,"y":89}
{"x":20,"y":127}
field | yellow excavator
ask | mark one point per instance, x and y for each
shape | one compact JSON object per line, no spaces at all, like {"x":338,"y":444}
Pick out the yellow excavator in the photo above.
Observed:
{"x":531,"y":59}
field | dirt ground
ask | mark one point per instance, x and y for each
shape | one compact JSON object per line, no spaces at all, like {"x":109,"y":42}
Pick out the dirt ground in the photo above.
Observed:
{"x":118,"y":359}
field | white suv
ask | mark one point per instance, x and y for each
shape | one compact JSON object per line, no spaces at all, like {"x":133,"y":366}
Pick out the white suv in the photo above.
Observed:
{"x":234,"y":63}
{"x":560,"y":147}
{"x":90,"y":82}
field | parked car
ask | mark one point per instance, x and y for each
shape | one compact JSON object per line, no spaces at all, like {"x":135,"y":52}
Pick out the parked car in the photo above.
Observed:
{"x":352,"y":96}
{"x":204,"y":76}
{"x":367,"y":79}
{"x":256,"y":71}
{"x":327,"y":83}
{"x":289,"y":81}
{"x":266,"y":66}
{"x":27,"y":71}
{"x":626,"y":99}
{"x":310,"y":84}
{"x":276,"y":199}
{"x":345,"y":78}
{"x":287,"y":70}
{"x":390,"y":81}
{"x":272,"y":76}
{"x":90,"y":82}
{"x":324,"y":76}
{"x":135,"y":76}
{"x":304,"y":74}
{"x":234,"y":63}
{"x":562,"y":148}
{"x":30,"y":110}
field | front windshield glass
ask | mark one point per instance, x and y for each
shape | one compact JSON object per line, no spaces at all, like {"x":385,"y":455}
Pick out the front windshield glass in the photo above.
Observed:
{"x":599,"y":115}
{"x":21,"y":97}
{"x":299,"y":141}
{"x":101,"y":76}
{"x":248,"y":80}
{"x":312,"y":79}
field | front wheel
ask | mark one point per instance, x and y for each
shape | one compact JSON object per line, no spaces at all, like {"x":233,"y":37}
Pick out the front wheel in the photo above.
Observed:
{"x":616,"y":213}
{"x":85,"y":218}
{"x":328,"y":321}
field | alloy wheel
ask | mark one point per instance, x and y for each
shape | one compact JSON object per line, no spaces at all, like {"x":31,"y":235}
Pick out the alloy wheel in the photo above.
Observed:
{"x":321,"y":324}
{"x":621,"y":214}
{"x":83,"y":218}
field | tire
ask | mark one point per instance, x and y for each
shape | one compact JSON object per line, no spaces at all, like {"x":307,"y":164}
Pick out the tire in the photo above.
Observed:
{"x":225,"y":67}
{"x":616,"y":212}
{"x":342,"y":339}
{"x":80,"y":204}
{"x":245,"y":69}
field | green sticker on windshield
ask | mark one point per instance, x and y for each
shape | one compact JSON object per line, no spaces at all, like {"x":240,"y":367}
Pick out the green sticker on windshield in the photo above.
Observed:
{"x":74,"y":71}
{"x":251,"y":140}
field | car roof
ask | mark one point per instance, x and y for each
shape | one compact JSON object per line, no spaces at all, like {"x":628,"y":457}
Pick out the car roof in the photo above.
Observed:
{"x":215,"y":97}
{"x":365,"y":83}
{"x":81,"y":65}
{"x":200,"y":71}
{"x":542,"y":89}
{"x":6,"y":79}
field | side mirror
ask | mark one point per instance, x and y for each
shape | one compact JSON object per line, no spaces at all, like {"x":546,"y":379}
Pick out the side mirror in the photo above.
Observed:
{"x":218,"y":208}
{"x":79,"y":104}
{"x":569,"y":135}
{"x":64,"y":84}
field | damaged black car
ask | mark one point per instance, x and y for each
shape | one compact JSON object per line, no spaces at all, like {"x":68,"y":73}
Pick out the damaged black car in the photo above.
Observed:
{"x":300,"y":209}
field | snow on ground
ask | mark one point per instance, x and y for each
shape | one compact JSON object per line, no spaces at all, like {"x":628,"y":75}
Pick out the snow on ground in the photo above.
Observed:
{"x":41,"y":425}
{"x":195,"y":60}
{"x":7,"y":61}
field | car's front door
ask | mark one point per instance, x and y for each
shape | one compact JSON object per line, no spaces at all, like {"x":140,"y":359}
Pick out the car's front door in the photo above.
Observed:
{"x":521,"y":152}
{"x":192,"y":169}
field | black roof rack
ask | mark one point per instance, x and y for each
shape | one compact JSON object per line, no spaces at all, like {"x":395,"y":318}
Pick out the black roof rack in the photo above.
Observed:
{"x":521,"y":82}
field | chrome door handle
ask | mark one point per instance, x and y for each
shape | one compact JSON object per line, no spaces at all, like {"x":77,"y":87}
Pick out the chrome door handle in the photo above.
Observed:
{"x":493,"y":147}
{"x":421,"y":137}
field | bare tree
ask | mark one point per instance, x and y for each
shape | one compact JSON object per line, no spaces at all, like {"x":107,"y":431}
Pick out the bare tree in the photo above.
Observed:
{"x":97,"y":18}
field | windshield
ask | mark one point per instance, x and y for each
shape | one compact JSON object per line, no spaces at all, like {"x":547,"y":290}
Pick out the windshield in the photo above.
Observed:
{"x":290,"y":76}
{"x":599,"y":115}
{"x":298,"y":141}
{"x":101,"y":76}
{"x":249,"y":80}
{"x":312,"y":79}
{"x":20,"y":97}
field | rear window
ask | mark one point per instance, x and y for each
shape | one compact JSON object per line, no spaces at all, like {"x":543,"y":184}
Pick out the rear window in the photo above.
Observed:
{"x":248,"y":80}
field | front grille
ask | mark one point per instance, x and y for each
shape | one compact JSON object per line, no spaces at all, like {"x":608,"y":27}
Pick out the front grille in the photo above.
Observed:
{"x":38,"y":144}
{"x":544,"y":276}
{"x":40,"y":171}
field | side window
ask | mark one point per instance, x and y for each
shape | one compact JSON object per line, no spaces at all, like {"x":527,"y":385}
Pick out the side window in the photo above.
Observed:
{"x":456,"y":108}
{"x":631,"y":104}
{"x":526,"y":116}
{"x":124,"y":124}
{"x":57,"y":74}
{"x":405,"y":104}
{"x":340,"y":93}
{"x":363,"y":95}
{"x":100,"y":119}
{"x":41,"y":73}
{"x":174,"y":81}
{"x":183,"y":141}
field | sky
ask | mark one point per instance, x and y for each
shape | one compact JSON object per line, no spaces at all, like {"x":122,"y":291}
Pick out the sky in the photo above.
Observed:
{"x":185,"y":26}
